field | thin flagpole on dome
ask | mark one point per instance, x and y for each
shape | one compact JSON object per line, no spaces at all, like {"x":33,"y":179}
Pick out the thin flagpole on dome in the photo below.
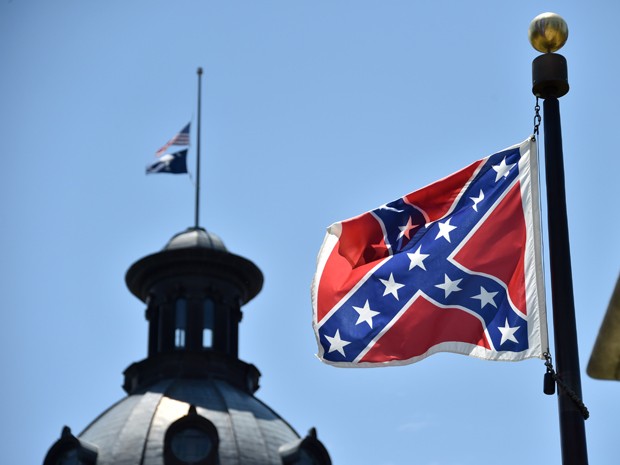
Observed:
{"x":197,"y":206}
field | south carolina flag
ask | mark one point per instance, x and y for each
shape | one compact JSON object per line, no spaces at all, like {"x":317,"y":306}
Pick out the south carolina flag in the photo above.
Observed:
{"x":175,"y":163}
{"x":452,"y":267}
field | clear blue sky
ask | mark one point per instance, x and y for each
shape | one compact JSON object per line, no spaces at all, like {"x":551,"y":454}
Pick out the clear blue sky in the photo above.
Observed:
{"x":313,"y":112}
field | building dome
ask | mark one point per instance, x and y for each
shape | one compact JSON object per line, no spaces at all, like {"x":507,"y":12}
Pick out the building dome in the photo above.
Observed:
{"x":133,"y":431}
{"x":195,"y":237}
{"x":191,"y":400}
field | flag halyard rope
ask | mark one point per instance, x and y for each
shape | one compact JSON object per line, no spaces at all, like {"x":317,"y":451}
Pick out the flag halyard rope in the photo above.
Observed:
{"x":551,"y":376}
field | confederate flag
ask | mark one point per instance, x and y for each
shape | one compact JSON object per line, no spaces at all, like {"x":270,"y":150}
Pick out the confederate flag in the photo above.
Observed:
{"x":452,"y":267}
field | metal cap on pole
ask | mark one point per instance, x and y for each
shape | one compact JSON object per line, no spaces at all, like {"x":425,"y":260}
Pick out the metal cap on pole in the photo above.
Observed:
{"x":548,"y":32}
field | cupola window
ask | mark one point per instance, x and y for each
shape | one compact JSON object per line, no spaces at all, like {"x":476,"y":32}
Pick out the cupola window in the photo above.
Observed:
{"x":180,"y":324}
{"x":191,"y":445}
{"x":208,"y":319}
{"x":69,"y":457}
{"x":191,"y":440}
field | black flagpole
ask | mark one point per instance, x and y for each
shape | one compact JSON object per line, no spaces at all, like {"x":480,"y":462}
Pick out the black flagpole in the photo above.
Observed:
{"x":548,"y":33}
{"x":196,"y":216}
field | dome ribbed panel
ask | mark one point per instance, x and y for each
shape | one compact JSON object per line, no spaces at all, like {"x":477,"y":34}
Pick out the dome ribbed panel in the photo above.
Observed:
{"x":120,"y":433}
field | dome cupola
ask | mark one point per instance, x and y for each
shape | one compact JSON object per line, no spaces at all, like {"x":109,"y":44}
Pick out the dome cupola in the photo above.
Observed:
{"x":193,"y":289}
{"x":191,"y":400}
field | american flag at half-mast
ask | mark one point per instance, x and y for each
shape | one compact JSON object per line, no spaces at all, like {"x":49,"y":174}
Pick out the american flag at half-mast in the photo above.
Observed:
{"x":182,"y":138}
{"x":452,"y":267}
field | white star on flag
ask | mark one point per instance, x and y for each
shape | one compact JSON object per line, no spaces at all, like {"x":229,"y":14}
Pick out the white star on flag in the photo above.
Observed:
{"x":391,"y":286}
{"x":366,"y":314}
{"x":336,"y":343}
{"x":485,"y":297}
{"x":417,"y":259}
{"x":477,"y":200}
{"x":449,"y":286}
{"x":406,"y":229}
{"x":502,"y":169}
{"x":444,"y":229}
{"x":508,"y":333}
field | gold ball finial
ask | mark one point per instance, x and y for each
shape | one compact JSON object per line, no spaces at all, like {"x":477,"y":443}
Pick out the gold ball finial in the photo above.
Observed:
{"x":548,"y":32}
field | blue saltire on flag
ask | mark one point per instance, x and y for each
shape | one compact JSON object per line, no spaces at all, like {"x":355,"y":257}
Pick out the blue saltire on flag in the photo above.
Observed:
{"x":182,"y":138}
{"x":453,"y":267}
{"x":175,"y":163}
